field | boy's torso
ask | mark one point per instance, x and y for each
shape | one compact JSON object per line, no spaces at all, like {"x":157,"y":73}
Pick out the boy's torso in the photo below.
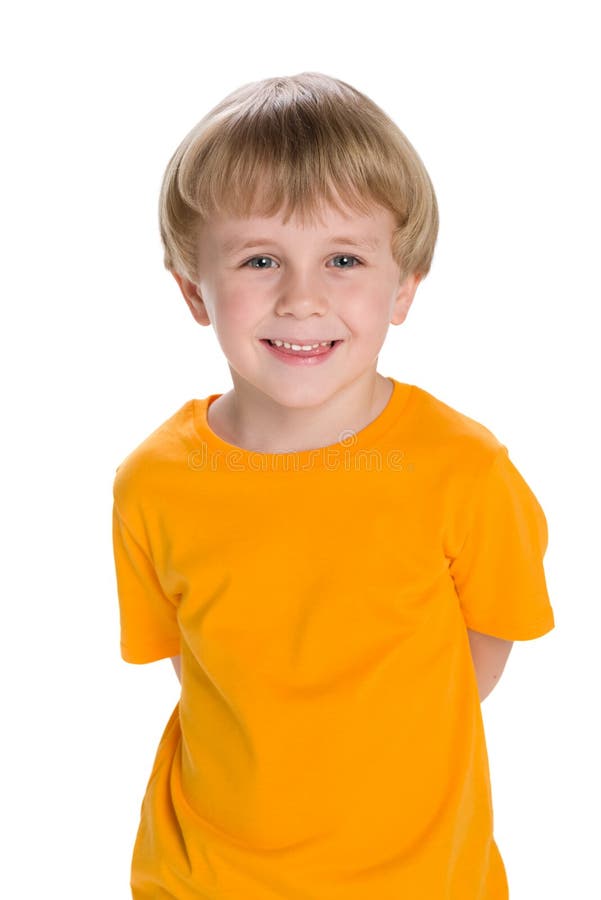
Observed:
{"x":326,"y":674}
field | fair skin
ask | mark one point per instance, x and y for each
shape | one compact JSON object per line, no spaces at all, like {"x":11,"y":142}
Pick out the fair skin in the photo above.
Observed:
{"x":489,"y":655}
{"x":309,"y":281}
{"x":177,"y":665}
{"x":297,"y":280}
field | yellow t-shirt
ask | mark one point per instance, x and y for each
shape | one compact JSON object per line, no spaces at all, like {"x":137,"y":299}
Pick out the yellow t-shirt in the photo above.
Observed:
{"x":328,"y":743}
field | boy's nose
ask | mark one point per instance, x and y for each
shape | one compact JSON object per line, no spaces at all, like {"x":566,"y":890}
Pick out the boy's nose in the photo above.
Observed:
{"x":301,"y":290}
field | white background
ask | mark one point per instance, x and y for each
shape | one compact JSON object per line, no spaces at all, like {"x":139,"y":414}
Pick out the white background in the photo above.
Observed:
{"x":98,"y":348}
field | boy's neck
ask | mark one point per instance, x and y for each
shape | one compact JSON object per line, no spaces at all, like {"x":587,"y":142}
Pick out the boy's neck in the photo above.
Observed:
{"x":254,"y":427}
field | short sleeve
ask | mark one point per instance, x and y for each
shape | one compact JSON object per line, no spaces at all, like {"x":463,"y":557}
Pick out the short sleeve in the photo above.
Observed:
{"x":149,"y":627}
{"x":498,"y":573}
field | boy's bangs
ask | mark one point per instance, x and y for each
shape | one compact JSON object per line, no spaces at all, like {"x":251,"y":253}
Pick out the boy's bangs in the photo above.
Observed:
{"x":247,"y":185}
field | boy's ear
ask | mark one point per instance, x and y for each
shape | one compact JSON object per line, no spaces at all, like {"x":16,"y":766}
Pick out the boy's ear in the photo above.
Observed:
{"x":193,"y":298}
{"x":404,"y":297}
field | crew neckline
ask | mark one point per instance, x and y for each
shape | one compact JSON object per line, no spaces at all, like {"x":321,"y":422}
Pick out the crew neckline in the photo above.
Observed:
{"x":350,"y":443}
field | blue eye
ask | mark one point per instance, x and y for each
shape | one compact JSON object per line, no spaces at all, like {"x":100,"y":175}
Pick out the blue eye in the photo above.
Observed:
{"x":344,"y":256}
{"x":260,"y":259}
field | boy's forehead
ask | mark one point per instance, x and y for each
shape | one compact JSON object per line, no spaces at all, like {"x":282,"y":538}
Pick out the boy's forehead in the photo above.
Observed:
{"x":232,"y":232}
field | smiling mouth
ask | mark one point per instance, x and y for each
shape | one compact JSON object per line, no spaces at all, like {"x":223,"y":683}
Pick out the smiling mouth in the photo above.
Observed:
{"x":324,"y":347}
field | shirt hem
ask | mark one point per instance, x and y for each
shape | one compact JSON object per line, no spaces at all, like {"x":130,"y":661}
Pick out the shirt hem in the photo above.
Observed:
{"x":150,"y":653}
{"x":535,"y":629}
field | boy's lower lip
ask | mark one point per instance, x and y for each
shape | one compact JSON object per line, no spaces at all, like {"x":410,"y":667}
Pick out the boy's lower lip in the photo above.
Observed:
{"x":297,"y":358}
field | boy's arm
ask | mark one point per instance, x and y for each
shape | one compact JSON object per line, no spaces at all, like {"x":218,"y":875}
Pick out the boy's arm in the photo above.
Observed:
{"x":489,"y":655}
{"x":177,"y":665}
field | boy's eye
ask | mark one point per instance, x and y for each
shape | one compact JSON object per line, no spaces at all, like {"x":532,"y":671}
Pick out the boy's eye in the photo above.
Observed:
{"x":348,"y":262}
{"x":261,"y":260}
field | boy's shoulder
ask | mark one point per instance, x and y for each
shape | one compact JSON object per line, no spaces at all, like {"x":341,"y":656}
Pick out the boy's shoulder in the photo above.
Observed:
{"x":154,"y":456}
{"x":442,"y":427}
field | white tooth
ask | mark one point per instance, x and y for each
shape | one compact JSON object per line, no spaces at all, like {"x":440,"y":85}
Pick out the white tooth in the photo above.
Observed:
{"x":300,"y":346}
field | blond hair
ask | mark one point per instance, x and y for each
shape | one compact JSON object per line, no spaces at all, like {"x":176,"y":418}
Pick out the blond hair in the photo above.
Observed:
{"x":293,"y":142}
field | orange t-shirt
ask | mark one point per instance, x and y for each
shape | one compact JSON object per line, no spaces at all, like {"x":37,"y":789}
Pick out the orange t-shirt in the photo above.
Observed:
{"x":328,"y":742}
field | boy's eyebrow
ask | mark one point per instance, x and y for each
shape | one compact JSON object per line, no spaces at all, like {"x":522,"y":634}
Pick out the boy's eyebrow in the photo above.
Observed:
{"x":235,"y":244}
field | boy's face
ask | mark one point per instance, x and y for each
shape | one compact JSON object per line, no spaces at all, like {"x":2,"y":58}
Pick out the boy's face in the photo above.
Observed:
{"x":260,"y":278}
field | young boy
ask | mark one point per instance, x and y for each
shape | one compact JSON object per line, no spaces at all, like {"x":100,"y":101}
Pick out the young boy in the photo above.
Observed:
{"x":336,"y":561}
